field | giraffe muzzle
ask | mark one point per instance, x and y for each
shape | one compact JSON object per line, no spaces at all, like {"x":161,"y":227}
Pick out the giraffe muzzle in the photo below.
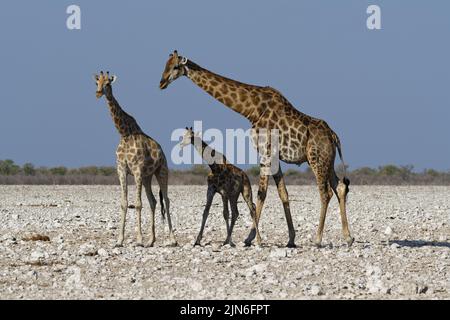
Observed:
{"x":163,"y":84}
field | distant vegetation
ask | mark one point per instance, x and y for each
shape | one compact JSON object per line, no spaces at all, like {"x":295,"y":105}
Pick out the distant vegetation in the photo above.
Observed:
{"x":28,"y":174}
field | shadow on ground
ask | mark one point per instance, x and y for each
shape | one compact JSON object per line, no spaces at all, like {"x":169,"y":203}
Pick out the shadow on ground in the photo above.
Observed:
{"x":420,"y":243}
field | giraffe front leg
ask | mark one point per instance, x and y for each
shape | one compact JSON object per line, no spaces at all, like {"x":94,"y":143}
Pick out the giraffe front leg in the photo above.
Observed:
{"x":138,"y":180}
{"x":122,"y":173}
{"x":226,"y":217}
{"x":262,"y":192}
{"x":210,"y":196}
{"x":283,"y":194}
{"x":234,"y":216}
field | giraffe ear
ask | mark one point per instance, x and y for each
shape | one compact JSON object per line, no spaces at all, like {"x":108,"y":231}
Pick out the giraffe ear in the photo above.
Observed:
{"x":95,"y":77}
{"x":113,"y":79}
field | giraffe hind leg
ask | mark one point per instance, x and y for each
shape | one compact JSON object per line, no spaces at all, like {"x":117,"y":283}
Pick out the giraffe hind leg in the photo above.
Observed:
{"x":341,"y":190}
{"x":248,"y":198}
{"x":262,"y":193}
{"x":152,"y":202}
{"x":163,"y":179}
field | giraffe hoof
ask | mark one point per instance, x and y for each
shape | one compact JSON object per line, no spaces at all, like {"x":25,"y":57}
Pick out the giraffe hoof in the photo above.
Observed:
{"x":247,"y":243}
{"x":197,"y":244}
{"x":230,"y":243}
{"x":350,"y":241}
{"x":291,"y":245}
{"x":118,"y":245}
{"x":150,"y":244}
{"x":173,"y":244}
{"x":139,"y":244}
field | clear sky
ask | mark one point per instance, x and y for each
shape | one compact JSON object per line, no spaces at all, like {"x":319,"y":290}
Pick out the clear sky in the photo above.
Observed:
{"x":385,"y":92}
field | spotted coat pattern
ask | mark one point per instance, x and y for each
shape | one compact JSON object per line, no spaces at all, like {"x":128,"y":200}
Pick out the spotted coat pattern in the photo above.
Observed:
{"x":302,"y":138}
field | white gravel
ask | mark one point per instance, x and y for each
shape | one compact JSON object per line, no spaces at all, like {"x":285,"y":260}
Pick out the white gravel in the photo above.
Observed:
{"x":402,"y":247}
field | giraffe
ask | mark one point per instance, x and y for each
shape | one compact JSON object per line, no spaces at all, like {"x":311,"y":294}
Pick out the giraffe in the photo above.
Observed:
{"x":140,"y":156}
{"x":227,"y":180}
{"x":302,"y":138}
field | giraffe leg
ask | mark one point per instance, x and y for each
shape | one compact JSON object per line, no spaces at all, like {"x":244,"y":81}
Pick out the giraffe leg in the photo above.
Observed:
{"x":122,"y":173}
{"x":325,"y":197}
{"x":248,"y":198}
{"x":234,"y":216}
{"x":138,"y":180}
{"x":226,"y":215}
{"x":262,"y":192}
{"x":163,"y":178}
{"x":341,"y":190}
{"x":152,"y":202}
{"x":209,"y":199}
{"x":283,"y":194}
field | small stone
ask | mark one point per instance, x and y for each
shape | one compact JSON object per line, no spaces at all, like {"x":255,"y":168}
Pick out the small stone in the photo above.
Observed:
{"x":196,"y":285}
{"x":38,"y":256}
{"x":33,"y":274}
{"x":87,"y":250}
{"x":59,"y":239}
{"x":388,"y":231}
{"x":278,"y":253}
{"x":102,"y":253}
{"x":407,"y":288}
{"x":256,"y":269}
{"x":316,"y":290}
{"x":395,"y":246}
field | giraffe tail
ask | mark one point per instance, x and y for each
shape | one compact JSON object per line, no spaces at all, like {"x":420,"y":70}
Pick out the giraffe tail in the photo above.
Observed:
{"x":337,"y":143}
{"x":163,"y":209}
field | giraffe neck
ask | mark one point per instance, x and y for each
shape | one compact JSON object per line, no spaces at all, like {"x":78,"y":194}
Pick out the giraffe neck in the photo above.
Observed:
{"x":125,"y":124}
{"x":242,"y":98}
{"x":206,"y":151}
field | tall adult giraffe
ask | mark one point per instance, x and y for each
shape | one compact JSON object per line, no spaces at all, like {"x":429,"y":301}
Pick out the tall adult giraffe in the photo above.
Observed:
{"x":301,"y":138}
{"x":140,"y":156}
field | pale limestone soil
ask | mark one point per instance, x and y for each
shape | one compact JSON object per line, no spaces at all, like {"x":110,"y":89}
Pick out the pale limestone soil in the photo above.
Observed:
{"x":402,"y":247}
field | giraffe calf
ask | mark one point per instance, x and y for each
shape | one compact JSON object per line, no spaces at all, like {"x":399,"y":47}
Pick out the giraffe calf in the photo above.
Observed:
{"x":227,"y":180}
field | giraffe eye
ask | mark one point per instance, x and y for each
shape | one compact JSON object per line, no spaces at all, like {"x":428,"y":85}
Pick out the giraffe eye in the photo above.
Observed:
{"x":176,"y":67}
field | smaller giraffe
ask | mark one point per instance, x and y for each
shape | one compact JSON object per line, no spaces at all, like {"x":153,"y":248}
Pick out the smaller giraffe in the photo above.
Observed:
{"x":227,"y":180}
{"x":140,"y":156}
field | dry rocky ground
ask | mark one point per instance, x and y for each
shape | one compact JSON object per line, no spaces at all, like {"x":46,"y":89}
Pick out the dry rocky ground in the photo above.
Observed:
{"x":402,"y":247}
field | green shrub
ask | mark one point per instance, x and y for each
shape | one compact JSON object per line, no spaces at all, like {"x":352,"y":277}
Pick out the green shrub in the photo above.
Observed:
{"x":58,"y":171}
{"x":8,"y":168}
{"x":28,"y":169}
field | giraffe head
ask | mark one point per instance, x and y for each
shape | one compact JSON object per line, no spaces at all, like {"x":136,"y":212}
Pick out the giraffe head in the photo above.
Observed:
{"x":175,"y":68}
{"x":103,"y":82}
{"x":188,"y":137}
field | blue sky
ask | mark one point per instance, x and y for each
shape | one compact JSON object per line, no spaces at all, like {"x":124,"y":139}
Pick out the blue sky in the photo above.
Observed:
{"x":385,"y":92}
